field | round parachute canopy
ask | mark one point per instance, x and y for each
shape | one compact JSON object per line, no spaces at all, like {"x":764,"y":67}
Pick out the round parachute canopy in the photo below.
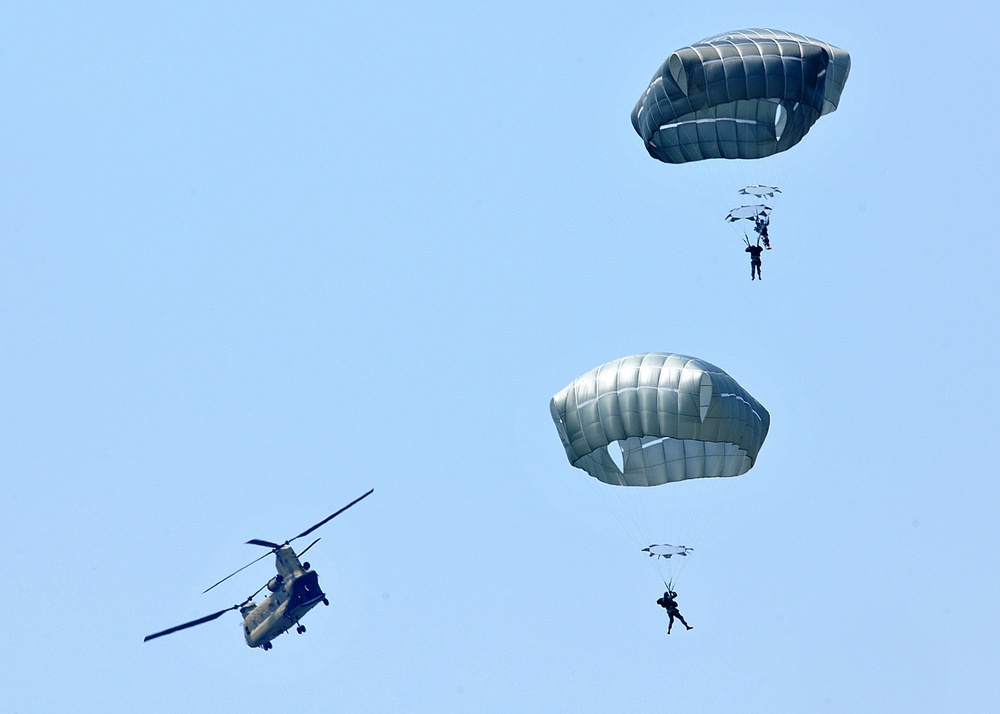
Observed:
{"x":745,"y":94}
{"x":673,"y":417}
{"x":751,"y":213}
{"x":760,"y":191}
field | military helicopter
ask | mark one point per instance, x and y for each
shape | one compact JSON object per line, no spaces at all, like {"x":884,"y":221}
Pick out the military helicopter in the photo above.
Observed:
{"x":294,"y":592}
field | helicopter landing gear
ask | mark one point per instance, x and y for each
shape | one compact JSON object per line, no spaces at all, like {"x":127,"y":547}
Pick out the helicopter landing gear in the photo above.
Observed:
{"x":266,"y":646}
{"x":300,"y":629}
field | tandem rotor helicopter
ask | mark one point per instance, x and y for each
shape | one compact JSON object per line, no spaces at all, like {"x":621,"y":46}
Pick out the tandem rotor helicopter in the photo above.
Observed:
{"x":294,"y":592}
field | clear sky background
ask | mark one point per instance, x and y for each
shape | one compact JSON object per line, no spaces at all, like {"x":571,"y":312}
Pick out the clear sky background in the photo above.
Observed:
{"x":257,"y":258}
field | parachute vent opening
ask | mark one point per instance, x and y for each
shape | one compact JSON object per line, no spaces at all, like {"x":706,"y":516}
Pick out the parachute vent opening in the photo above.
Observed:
{"x":780,"y":120}
{"x":615,"y":452}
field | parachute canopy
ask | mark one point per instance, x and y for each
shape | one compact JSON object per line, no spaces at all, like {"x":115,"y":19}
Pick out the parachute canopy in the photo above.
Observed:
{"x":744,"y":94}
{"x":760,"y":191}
{"x":751,"y":213}
{"x":673,"y":418}
{"x":666,"y":551}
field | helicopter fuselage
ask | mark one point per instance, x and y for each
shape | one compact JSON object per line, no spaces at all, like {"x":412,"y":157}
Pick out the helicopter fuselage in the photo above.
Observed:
{"x":294,"y":590}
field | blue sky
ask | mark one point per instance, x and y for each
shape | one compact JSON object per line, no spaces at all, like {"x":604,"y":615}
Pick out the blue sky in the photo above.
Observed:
{"x":255,"y":260}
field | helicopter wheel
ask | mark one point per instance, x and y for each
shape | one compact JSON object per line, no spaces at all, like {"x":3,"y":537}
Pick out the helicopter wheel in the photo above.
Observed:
{"x":300,"y":629}
{"x":266,"y":646}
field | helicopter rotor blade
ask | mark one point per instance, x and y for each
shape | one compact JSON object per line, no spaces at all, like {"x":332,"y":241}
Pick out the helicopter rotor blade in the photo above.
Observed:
{"x":277,"y":546}
{"x":199,"y":621}
{"x":310,"y":530}
{"x":265,"y":543}
{"x":308,"y":547}
{"x":237,"y":571}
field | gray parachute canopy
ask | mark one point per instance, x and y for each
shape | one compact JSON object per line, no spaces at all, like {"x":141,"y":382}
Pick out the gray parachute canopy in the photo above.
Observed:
{"x":744,"y":94}
{"x":674,"y":418}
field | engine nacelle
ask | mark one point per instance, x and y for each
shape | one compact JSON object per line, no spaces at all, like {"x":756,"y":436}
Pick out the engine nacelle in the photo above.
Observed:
{"x":274,"y":584}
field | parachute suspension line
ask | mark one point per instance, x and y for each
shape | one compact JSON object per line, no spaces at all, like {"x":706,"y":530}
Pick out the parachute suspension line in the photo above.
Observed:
{"x":635,"y":508}
{"x":647,"y":520}
{"x":726,"y":188}
{"x":617,"y":513}
{"x":704,"y":517}
{"x":630,"y":499}
{"x":627,"y":513}
{"x":664,"y":578}
{"x":627,"y":505}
